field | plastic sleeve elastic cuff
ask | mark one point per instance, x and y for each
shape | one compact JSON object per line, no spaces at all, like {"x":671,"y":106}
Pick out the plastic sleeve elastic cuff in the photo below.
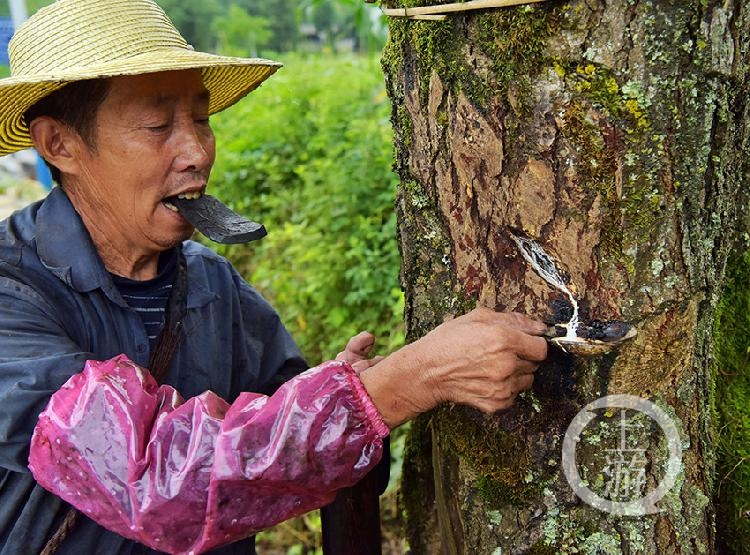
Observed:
{"x":371,"y":411}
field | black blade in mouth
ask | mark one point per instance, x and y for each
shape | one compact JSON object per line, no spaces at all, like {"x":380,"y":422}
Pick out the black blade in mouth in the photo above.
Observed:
{"x":217,"y":221}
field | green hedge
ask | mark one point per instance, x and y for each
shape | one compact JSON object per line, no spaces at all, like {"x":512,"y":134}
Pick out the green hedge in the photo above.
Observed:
{"x":309,"y":155}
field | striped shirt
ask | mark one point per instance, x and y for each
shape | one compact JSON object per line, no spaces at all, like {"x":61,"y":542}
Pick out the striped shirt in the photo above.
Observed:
{"x":149,"y":298}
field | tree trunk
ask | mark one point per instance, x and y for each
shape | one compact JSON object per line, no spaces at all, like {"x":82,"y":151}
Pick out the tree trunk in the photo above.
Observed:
{"x":614,"y":134}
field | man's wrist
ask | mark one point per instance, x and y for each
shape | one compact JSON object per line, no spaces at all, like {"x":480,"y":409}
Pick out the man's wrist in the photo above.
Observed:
{"x":397,"y":387}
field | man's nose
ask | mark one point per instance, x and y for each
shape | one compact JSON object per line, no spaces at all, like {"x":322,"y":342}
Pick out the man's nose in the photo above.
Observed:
{"x":195,"y":145}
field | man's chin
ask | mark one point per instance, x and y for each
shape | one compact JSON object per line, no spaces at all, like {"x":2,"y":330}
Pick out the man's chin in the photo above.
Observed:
{"x":175,"y":239}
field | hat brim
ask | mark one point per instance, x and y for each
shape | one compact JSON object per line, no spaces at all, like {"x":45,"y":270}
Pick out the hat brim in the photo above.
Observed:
{"x":227,"y":79}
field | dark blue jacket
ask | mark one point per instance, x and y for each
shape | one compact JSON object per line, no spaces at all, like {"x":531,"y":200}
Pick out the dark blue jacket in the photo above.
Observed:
{"x":59,"y":307}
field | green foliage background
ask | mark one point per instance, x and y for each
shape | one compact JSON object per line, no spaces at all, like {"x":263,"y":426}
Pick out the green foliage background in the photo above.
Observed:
{"x":309,"y":155}
{"x":271,"y":25}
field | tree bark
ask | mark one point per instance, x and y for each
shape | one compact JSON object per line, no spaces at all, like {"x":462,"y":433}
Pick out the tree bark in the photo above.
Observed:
{"x":613,"y":133}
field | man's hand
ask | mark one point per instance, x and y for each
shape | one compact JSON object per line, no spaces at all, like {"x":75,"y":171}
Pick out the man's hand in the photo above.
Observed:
{"x":482,"y":359}
{"x":357,"y":350}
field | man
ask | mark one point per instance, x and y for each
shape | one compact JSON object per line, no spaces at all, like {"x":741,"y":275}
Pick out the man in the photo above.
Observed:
{"x":102,"y":295}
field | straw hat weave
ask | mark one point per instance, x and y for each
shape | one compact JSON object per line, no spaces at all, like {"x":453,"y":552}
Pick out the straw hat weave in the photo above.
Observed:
{"x":73,"y":40}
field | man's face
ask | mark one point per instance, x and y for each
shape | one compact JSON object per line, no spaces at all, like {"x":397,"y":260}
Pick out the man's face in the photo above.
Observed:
{"x":152,"y":140}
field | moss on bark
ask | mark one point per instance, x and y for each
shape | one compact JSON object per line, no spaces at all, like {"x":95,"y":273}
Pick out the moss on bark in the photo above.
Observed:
{"x":509,"y":45}
{"x":732,"y":363}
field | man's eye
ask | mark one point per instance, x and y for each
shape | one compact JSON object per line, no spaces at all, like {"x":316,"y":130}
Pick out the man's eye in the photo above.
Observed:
{"x":158,"y":128}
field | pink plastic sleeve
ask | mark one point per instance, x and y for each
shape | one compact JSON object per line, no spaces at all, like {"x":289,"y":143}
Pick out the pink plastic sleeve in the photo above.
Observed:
{"x":187,"y":476}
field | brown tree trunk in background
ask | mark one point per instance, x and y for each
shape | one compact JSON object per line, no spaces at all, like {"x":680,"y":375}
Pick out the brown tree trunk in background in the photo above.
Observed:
{"x":612,"y":132}
{"x":351,"y":524}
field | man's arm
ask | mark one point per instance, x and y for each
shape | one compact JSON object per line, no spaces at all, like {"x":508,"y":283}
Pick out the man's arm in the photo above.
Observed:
{"x":352,"y":523}
{"x":263,"y":329}
{"x":36,"y":358}
{"x":483,"y":359}
{"x":189,"y":476}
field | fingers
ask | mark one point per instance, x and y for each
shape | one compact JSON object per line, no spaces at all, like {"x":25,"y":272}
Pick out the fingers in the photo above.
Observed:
{"x":505,"y":399}
{"x":531,"y":347}
{"x":523,"y":334}
{"x":357,"y":348}
{"x":524,"y":366}
{"x":361,"y":344}
{"x":523,"y":382}
{"x":525,"y":324}
{"x":363,"y":365}
{"x":514,"y":320}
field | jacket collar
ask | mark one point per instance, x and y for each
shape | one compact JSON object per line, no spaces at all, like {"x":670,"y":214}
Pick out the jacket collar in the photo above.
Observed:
{"x":65,"y":246}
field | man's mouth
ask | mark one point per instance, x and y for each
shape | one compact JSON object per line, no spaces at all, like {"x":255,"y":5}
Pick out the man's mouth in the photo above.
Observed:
{"x":168,"y":202}
{"x":214,"y":219}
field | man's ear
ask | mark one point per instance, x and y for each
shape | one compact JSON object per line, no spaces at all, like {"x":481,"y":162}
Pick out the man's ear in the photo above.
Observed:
{"x":56,"y":143}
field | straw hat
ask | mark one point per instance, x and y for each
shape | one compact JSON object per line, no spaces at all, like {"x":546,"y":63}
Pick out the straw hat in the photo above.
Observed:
{"x":72,"y":40}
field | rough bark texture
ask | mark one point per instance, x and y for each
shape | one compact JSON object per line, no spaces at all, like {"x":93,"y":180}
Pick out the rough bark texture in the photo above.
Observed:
{"x":614,"y":133}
